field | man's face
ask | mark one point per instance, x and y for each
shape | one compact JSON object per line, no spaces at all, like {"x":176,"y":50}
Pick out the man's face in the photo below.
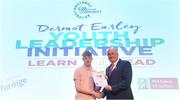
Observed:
{"x":112,"y":55}
{"x":87,"y":60}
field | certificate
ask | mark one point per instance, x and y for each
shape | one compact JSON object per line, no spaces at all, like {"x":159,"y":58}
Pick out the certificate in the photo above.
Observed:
{"x":99,"y":79}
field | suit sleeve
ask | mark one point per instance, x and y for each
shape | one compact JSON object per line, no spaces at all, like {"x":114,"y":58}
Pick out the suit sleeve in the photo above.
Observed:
{"x":104,"y":91}
{"x":126,"y":78}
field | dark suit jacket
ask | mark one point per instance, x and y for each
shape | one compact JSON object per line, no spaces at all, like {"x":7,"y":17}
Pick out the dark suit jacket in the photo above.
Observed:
{"x":120,"y":80}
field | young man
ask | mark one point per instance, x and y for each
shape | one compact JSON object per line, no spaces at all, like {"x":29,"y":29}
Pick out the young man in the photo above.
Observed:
{"x":84,"y":84}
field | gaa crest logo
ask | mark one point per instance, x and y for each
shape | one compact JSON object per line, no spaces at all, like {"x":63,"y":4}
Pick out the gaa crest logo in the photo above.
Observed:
{"x":83,"y":9}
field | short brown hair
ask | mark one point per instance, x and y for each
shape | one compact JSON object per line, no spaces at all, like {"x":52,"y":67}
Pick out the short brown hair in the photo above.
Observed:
{"x":86,"y":53}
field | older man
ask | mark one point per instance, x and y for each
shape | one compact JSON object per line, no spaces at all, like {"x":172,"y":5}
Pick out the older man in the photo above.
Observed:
{"x":119,"y":77}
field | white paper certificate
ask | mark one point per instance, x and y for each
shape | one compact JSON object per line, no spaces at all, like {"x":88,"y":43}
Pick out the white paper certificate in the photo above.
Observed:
{"x":99,"y":79}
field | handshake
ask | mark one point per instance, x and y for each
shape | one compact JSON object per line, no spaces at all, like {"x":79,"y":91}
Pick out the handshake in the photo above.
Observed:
{"x":98,"y":95}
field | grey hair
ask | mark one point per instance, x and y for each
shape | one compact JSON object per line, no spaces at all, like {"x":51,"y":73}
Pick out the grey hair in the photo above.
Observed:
{"x":113,"y":48}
